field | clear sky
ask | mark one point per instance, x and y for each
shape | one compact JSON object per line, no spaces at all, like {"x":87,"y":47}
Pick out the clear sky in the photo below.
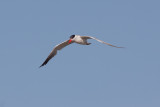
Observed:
{"x":80,"y":76}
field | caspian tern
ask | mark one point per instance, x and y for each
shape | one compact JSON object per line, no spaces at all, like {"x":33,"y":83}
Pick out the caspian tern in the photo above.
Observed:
{"x":73,"y":39}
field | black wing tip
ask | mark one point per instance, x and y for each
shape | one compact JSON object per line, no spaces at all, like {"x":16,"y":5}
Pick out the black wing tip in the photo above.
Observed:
{"x":43,"y":64}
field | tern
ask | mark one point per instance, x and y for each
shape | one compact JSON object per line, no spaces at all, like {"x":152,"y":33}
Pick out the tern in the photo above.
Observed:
{"x":73,"y":39}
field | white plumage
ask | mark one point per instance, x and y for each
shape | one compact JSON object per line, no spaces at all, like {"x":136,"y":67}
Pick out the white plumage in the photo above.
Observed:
{"x":73,"y":39}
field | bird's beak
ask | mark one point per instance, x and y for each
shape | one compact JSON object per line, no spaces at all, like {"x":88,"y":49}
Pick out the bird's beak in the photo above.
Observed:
{"x":70,"y":41}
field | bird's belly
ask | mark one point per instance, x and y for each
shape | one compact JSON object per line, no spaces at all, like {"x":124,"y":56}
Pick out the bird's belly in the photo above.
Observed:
{"x":81,"y":42}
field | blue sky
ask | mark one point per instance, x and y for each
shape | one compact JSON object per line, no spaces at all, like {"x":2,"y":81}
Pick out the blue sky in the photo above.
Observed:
{"x":80,"y":76}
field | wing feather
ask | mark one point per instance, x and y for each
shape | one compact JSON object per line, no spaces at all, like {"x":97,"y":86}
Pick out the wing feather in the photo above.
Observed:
{"x":54,"y":51}
{"x":90,"y":37}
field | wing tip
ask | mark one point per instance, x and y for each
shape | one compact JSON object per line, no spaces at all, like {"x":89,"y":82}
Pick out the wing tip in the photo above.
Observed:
{"x":43,"y":64}
{"x":120,"y":47}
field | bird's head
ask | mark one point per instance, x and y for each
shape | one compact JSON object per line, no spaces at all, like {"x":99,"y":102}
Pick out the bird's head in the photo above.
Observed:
{"x":71,"y":38}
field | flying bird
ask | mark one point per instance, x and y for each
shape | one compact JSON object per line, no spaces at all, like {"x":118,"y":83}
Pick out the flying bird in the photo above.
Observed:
{"x":73,"y":39}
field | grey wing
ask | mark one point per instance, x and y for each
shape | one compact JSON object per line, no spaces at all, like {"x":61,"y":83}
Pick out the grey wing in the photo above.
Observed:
{"x":54,"y":51}
{"x":90,"y":37}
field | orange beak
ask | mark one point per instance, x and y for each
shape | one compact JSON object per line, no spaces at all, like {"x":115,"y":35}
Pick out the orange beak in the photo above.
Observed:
{"x":70,"y":41}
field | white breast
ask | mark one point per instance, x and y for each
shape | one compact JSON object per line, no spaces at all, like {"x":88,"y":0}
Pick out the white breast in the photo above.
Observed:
{"x":78,"y":39}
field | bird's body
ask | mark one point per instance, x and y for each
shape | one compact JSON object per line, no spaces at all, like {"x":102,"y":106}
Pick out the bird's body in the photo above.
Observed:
{"x":73,"y":39}
{"x":78,"y":39}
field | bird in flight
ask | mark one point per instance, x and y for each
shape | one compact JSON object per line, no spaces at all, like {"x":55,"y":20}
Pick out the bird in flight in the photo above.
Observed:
{"x":73,"y":39}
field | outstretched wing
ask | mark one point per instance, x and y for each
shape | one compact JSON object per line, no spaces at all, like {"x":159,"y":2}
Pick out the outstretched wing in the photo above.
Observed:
{"x":54,"y":51}
{"x":90,"y":37}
